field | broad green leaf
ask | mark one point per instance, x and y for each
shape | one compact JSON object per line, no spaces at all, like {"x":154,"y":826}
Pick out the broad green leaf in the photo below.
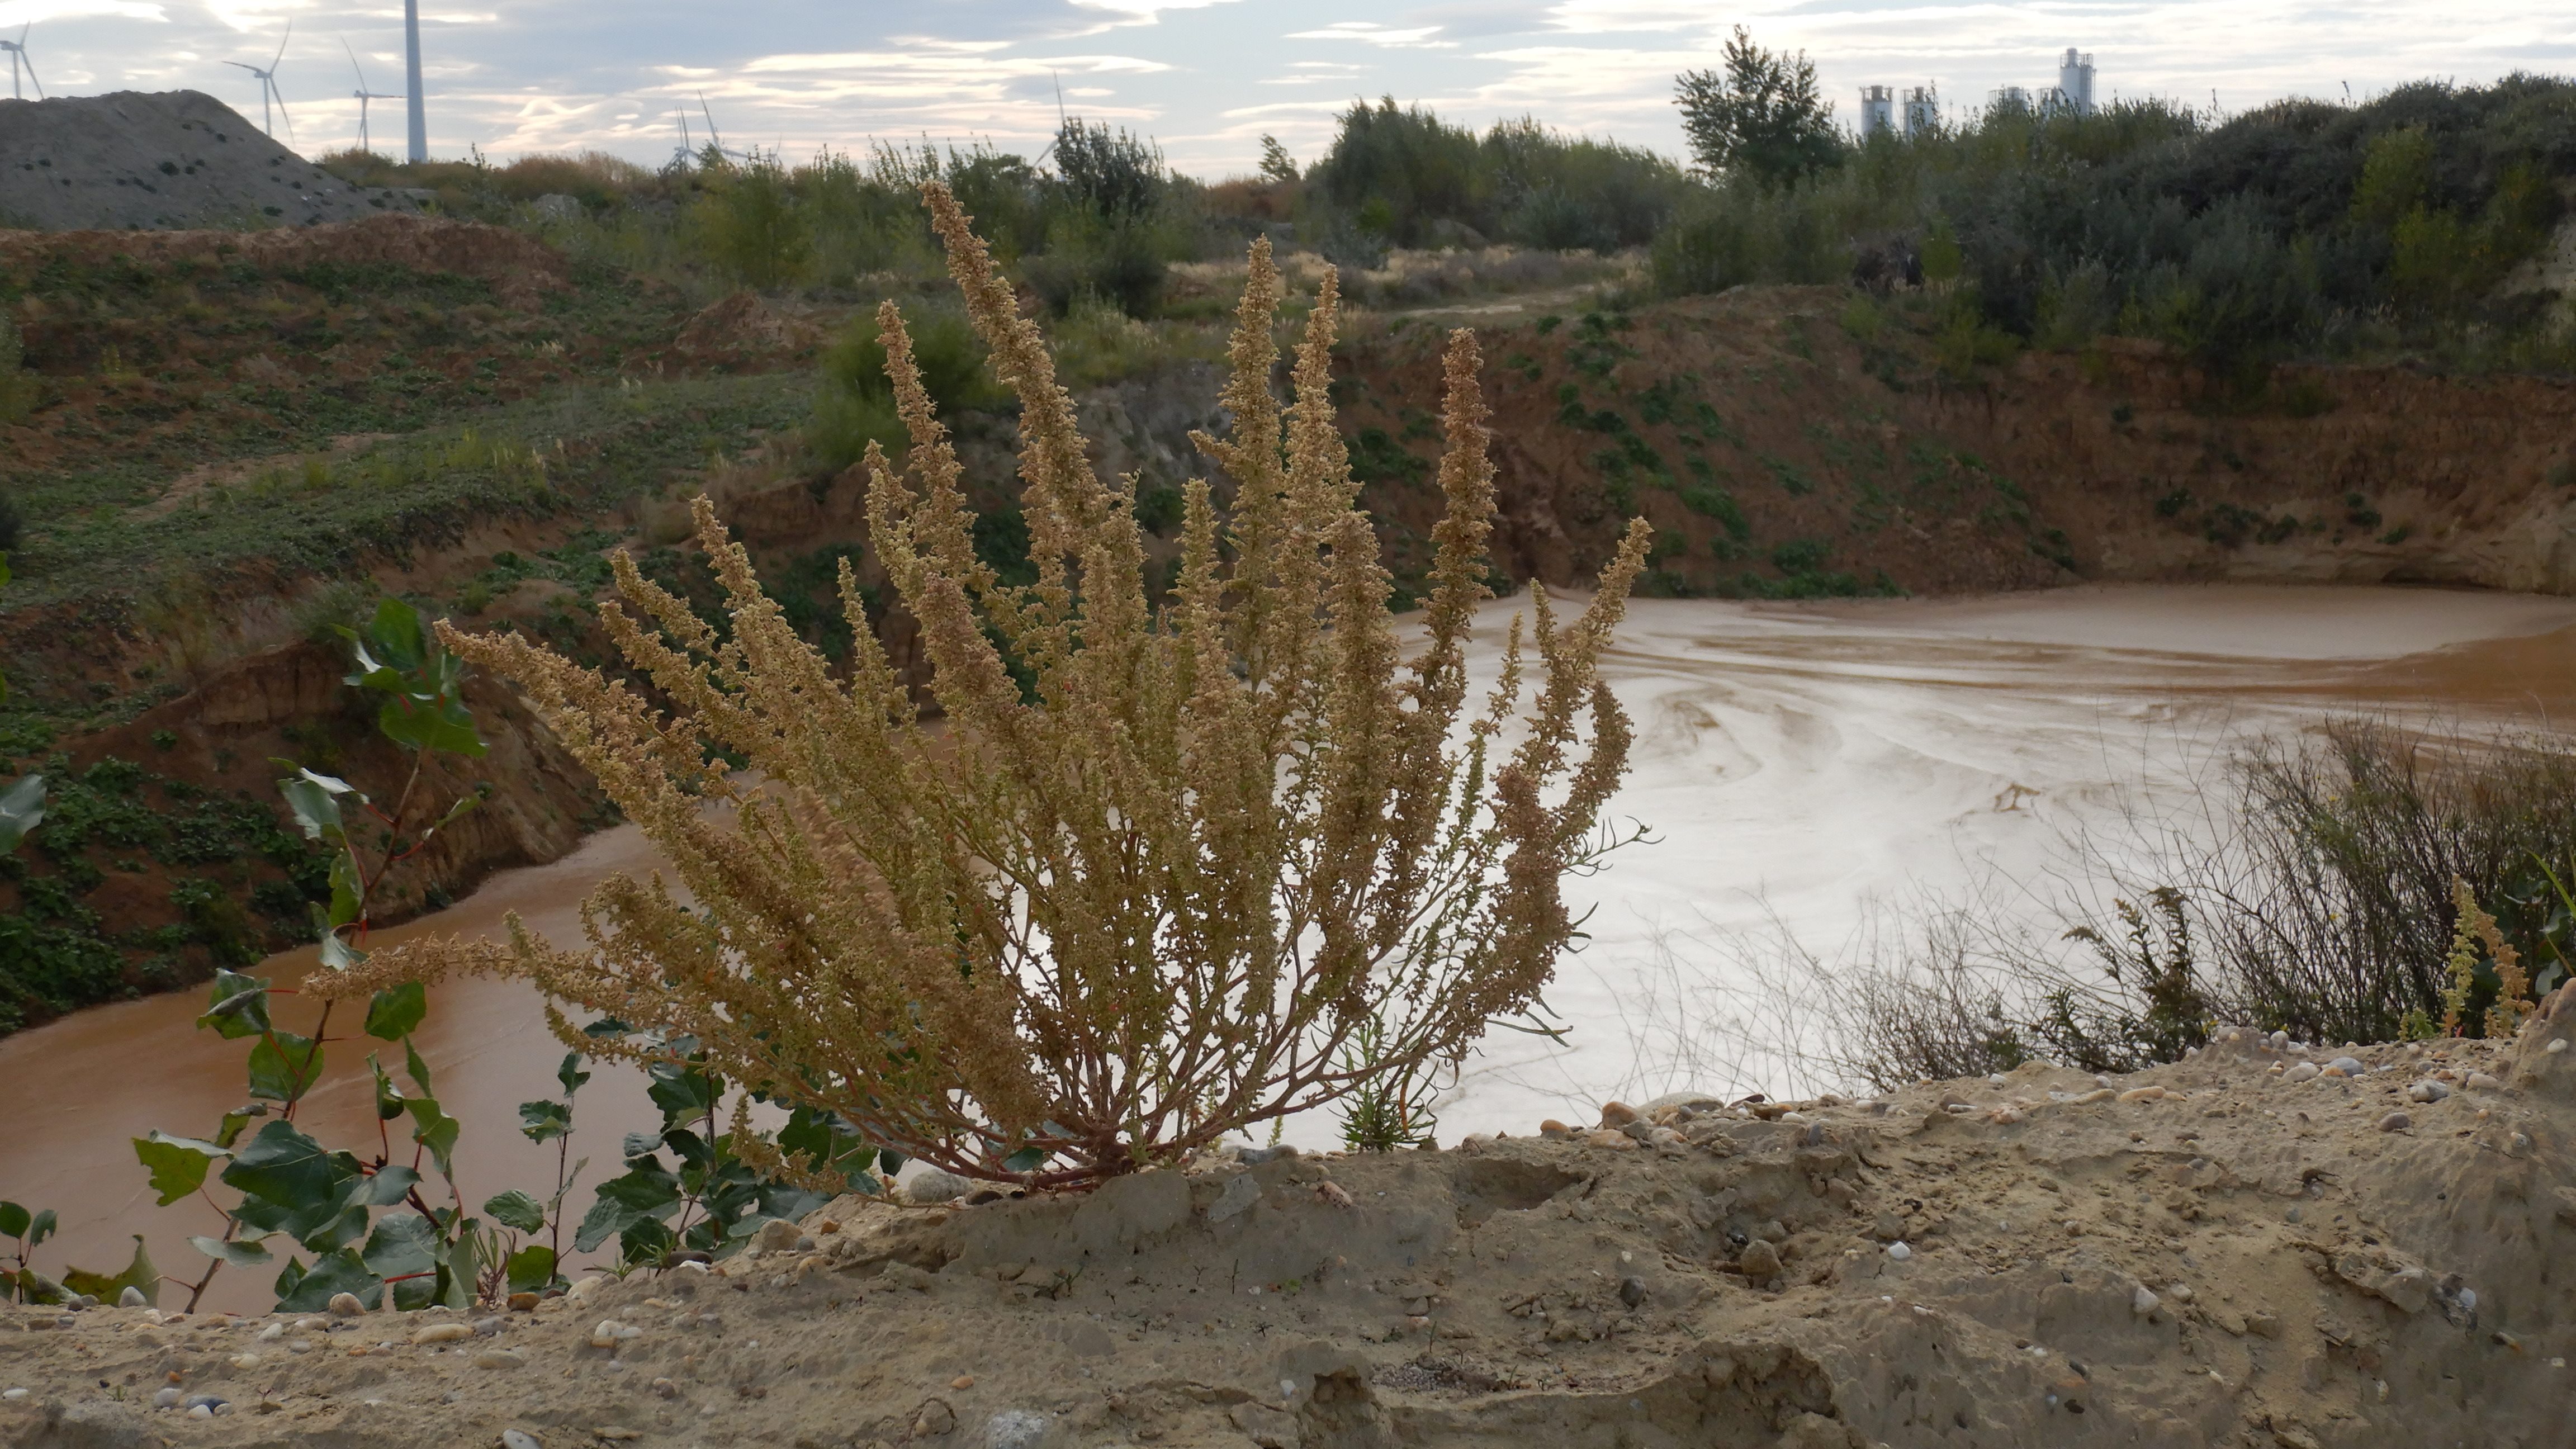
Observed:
{"x":41,"y":1229}
{"x":334,"y":1273}
{"x":515,"y":1209}
{"x":315,"y":800}
{"x":683,"y":1094}
{"x":434,"y":1129}
{"x":464,"y":804}
{"x":231,"y":1129}
{"x":395,"y":1011}
{"x":347,"y":895}
{"x":22,"y":808}
{"x":1027,"y":1159}
{"x":463,"y":1280}
{"x":337,"y":953}
{"x":288,"y":1168}
{"x":177,"y":1164}
{"x":139,"y":1275}
{"x":532,"y":1269}
{"x":443,"y":725}
{"x":284,"y":1066}
{"x":389,"y":1098}
{"x":403,"y":1244}
{"x":544,"y":1120}
{"x":570,"y":1073}
{"x":239,"y":1254}
{"x":14,"y":1220}
{"x":646,"y":1194}
{"x":239,"y":1007}
{"x":418,"y":1069}
{"x":391,"y":1184}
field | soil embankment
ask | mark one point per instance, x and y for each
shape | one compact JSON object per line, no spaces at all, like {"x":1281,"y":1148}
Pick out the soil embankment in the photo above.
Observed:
{"x":2239,"y":1249}
{"x":160,"y":160}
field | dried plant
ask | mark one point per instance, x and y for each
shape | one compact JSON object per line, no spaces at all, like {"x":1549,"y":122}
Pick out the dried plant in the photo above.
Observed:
{"x":1167,"y":872}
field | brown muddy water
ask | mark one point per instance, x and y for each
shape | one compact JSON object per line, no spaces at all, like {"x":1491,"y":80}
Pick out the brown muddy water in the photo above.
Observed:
{"x":1794,"y":761}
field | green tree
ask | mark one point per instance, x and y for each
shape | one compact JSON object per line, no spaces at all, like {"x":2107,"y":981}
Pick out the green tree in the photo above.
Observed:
{"x":1276,"y":163}
{"x":1760,"y":117}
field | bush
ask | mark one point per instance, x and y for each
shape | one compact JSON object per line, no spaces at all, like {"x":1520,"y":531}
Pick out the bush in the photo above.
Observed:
{"x":854,"y":399}
{"x":1194,"y":869}
{"x":1407,"y":178}
{"x":2327,"y":905}
{"x":754,"y":230}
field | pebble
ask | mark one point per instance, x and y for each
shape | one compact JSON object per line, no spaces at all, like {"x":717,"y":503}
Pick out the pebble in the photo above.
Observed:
{"x":523,"y":1302}
{"x":442,"y":1333}
{"x":2143,"y":1302}
{"x":244,"y":1360}
{"x":1552,"y":1128}
{"x":962,"y":1382}
{"x":2349,"y":1066}
{"x":520,"y":1439}
{"x":272,"y":1333}
{"x":498,"y":1358}
{"x":2558,"y":1046}
{"x":1254,"y":1155}
{"x":610,"y":1333}
{"x":2179,"y":1292}
{"x":935,"y":1419}
{"x":345,"y":1305}
{"x":1899,"y":1251}
{"x":2427,"y":1090}
{"x":1016,"y":1429}
{"x":1759,"y":1260}
{"x":2395,"y":1122}
{"x":935,"y":1186}
{"x":166,"y":1399}
{"x":2304,"y":1071}
{"x":486,"y":1327}
{"x":1240,"y":1193}
{"x":1606,"y":1137}
{"x":2481,"y":1082}
{"x":14,"y":1395}
{"x":1617,"y":1114}
{"x":132,"y":1297}
{"x":1632,"y":1291}
{"x":2143,"y":1094}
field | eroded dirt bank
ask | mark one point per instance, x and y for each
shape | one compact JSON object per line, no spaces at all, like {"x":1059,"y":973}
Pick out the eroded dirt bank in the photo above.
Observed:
{"x":2227,"y":1250}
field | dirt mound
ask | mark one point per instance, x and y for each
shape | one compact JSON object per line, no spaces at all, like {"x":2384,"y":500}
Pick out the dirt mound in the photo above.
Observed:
{"x":516,"y":264}
{"x":2241,"y":1249}
{"x":157,"y":160}
{"x":743,"y":323}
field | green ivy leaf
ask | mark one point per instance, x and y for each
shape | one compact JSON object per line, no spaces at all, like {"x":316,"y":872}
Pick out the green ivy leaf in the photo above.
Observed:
{"x":515,"y":1209}
{"x":312,"y":1289}
{"x":177,"y":1164}
{"x":396,"y":1011}
{"x":284,"y":1066}
{"x":239,"y":1254}
{"x":239,"y":1007}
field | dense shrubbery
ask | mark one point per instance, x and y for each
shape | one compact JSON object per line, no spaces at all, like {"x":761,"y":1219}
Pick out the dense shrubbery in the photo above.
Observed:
{"x":2301,"y":228}
{"x":1404,"y":177}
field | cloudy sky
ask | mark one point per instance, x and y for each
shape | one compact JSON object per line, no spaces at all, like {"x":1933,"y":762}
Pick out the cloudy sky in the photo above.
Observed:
{"x":1208,"y":77}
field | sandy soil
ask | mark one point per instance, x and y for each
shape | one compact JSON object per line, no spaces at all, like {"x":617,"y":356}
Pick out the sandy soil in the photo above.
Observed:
{"x":2212,"y":1252}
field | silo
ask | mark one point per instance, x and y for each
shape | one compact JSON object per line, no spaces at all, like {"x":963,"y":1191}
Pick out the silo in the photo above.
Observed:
{"x":2075,"y":78}
{"x":1922,"y":110}
{"x":1877,"y":110}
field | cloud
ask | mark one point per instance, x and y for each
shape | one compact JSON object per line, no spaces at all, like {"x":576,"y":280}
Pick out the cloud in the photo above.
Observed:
{"x":1376,"y":34}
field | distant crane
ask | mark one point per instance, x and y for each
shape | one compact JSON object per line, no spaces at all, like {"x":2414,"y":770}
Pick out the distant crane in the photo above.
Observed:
{"x":364,"y":95}
{"x":268,"y":84}
{"x":17,"y":56}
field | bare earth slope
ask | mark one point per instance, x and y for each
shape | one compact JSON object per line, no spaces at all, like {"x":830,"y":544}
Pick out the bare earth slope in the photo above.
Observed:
{"x":2214,"y":1252}
{"x":153,"y":160}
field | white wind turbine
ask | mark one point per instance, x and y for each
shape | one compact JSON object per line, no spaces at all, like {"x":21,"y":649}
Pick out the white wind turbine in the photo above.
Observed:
{"x":364,"y":95}
{"x":18,"y":56}
{"x":268,"y":90}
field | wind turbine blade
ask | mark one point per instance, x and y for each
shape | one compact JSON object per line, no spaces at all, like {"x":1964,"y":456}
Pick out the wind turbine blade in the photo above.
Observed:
{"x":281,"y":45}
{"x":281,"y":109}
{"x":31,"y":75}
{"x":245,"y":65}
{"x":353,"y":63}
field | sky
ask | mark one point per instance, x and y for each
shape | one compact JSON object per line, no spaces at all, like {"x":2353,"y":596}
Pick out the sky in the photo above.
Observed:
{"x":1206,"y":78}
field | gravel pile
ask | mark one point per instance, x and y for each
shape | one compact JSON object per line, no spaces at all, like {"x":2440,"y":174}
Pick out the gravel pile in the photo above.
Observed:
{"x":159,"y":160}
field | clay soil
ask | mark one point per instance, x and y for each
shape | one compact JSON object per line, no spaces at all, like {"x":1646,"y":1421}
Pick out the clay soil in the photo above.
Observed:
{"x":2211,"y":1252}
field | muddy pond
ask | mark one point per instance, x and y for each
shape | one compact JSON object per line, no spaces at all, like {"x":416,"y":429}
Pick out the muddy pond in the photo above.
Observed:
{"x":1795,"y":761}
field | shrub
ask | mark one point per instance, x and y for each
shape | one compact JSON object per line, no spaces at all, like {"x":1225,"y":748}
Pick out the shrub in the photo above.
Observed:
{"x":1157,"y":894}
{"x":854,"y":398}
